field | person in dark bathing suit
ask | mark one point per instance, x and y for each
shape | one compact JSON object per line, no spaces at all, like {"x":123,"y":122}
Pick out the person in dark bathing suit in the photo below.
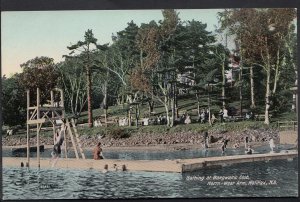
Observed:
{"x":206,"y":139}
{"x":98,"y":152}
{"x":57,"y":148}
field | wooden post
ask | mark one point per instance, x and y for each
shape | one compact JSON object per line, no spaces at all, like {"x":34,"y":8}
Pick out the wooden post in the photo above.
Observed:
{"x":65,"y":140}
{"x":52,"y":105}
{"x":77,"y":138}
{"x":129,"y":117}
{"x":28,"y":142}
{"x":72,"y":139}
{"x":62,"y":102}
{"x":38,"y":126}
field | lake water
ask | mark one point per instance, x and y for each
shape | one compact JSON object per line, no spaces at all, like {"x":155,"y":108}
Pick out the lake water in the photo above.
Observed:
{"x":152,"y":154}
{"x":281,"y":177}
{"x":23,"y":183}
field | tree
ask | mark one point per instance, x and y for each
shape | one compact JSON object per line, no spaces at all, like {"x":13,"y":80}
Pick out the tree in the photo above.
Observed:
{"x":166,"y":70}
{"x":122,"y":58}
{"x":195,"y":58}
{"x":85,"y":49}
{"x":261,"y":34}
{"x":141,"y":78}
{"x":13,"y":101}
{"x":103,"y":77}
{"x":73,"y":83}
{"x":39,"y":72}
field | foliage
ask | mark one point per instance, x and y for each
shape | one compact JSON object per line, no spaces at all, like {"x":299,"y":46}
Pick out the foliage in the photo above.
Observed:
{"x":13,"y":102}
{"x":85,"y":49}
{"x":144,"y":64}
{"x":41,"y":73}
{"x":73,"y":84}
{"x":117,"y":133}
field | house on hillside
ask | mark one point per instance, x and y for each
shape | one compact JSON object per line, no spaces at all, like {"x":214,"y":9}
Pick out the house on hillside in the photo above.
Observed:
{"x":187,"y":79}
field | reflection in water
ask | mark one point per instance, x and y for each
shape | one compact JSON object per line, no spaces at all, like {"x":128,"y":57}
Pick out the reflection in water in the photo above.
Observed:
{"x":23,"y":183}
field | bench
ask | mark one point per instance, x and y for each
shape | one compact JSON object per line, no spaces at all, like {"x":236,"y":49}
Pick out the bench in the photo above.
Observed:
{"x":261,"y":117}
{"x":284,"y":125}
{"x":234,"y":118}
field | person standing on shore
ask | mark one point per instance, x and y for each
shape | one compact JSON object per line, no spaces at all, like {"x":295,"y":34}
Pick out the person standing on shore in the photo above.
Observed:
{"x":221,"y":113}
{"x":223,"y":148}
{"x":206,"y":139}
{"x":246,"y":142}
{"x":272,"y":145}
{"x":98,"y":152}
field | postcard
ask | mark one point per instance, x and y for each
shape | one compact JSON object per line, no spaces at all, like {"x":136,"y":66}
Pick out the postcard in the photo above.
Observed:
{"x":149,"y":103}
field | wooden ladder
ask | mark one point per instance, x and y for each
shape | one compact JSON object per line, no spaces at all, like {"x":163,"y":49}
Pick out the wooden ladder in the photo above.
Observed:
{"x":72,"y":138}
{"x":77,"y":138}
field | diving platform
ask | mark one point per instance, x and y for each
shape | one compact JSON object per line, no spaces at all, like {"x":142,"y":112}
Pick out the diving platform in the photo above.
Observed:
{"x":177,"y":166}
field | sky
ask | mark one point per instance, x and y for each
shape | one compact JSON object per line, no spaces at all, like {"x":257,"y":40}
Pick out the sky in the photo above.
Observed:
{"x":28,"y":34}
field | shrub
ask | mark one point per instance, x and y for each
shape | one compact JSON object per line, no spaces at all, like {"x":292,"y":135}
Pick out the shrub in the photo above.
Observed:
{"x":117,"y":133}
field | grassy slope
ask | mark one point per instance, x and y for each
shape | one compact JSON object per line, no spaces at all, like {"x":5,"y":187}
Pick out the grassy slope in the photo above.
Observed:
{"x":188,"y":105}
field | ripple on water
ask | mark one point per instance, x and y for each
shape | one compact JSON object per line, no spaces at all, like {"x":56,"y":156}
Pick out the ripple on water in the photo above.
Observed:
{"x":21,"y":183}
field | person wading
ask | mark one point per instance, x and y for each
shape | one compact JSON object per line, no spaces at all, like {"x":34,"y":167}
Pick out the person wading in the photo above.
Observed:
{"x":98,"y":152}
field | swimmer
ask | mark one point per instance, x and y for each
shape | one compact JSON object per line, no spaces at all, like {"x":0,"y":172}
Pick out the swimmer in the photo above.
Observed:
{"x":223,"y":148}
{"x":249,"y":150}
{"x":57,"y":148}
{"x":98,"y":152}
{"x":236,"y":145}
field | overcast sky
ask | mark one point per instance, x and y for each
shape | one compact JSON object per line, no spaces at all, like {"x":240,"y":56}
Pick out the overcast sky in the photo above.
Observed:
{"x":26,"y":35}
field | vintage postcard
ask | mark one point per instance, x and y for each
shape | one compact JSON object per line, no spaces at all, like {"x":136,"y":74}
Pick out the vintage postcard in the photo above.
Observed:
{"x":143,"y":104}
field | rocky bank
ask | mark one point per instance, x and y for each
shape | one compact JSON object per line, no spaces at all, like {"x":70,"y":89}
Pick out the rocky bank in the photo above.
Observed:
{"x":151,"y":139}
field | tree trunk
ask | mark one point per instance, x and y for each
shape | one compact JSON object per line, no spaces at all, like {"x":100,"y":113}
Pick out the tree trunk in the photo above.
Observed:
{"x":105,"y":98}
{"x":198,"y":104}
{"x":151,"y":106}
{"x":268,"y":93}
{"x":137,"y":115}
{"x":173,"y":113}
{"x":240,"y":88}
{"x":129,"y":117}
{"x":173,"y":107}
{"x":223,"y":83}
{"x":89,"y":94}
{"x":167,"y":114}
{"x":252,"y":88}
{"x":209,"y":119}
{"x":176,"y":102}
{"x":277,"y":72}
{"x":166,"y":102}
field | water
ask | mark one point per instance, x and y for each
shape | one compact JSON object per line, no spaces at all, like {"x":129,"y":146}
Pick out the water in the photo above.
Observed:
{"x":154,"y":155}
{"x":20,"y":183}
{"x":23,"y":183}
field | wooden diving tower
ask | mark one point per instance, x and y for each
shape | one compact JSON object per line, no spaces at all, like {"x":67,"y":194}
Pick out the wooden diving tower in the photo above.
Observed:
{"x":54,"y":114}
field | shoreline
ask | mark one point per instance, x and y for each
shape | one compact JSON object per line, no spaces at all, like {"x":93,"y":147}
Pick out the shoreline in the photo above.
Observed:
{"x":159,"y":141}
{"x":214,"y":146}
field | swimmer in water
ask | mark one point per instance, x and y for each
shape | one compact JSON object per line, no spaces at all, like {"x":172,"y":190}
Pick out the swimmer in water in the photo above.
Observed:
{"x":236,"y":145}
{"x":249,"y":150}
{"x":223,"y":147}
{"x":98,"y":152}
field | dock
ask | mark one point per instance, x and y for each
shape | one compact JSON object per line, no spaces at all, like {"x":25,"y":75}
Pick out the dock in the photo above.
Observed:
{"x":178,"y":165}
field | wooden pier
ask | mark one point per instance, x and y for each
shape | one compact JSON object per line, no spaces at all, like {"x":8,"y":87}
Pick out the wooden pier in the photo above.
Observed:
{"x":178,"y":166}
